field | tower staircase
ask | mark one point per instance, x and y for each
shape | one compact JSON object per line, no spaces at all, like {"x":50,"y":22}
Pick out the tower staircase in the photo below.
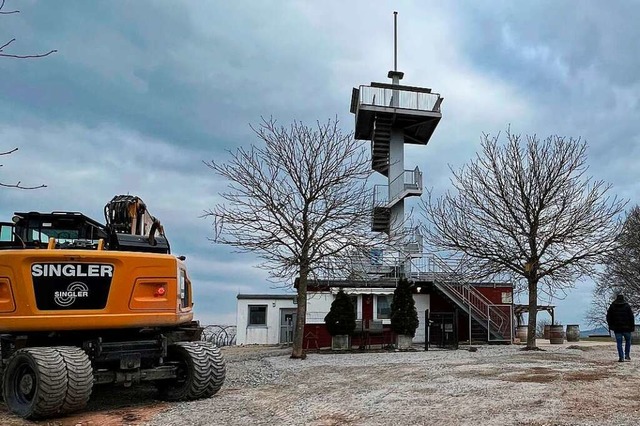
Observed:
{"x":448,"y":279}
{"x":380,"y":143}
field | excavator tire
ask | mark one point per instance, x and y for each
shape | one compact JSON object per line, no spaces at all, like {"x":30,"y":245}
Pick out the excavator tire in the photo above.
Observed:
{"x":199,"y":372}
{"x":218,"y":369}
{"x":79,"y":378}
{"x":34,"y":384}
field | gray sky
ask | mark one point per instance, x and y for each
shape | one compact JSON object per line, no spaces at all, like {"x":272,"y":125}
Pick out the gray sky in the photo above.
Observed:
{"x":141,"y":92}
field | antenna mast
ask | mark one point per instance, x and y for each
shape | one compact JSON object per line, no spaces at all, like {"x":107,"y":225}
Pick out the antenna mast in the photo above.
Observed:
{"x":395,"y":41}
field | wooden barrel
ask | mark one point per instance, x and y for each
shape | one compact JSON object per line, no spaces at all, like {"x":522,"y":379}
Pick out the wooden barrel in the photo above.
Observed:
{"x":635,"y":335}
{"x":573,"y":332}
{"x":556,"y":334}
{"x":546,"y":331}
{"x":522,"y":332}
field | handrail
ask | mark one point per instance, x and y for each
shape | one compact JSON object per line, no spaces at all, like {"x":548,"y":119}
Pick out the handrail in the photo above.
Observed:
{"x":437,"y":259}
{"x":405,"y":99}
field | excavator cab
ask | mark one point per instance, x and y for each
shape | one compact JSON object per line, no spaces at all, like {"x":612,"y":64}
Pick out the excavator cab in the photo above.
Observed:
{"x":129,"y":227}
{"x":71,"y":230}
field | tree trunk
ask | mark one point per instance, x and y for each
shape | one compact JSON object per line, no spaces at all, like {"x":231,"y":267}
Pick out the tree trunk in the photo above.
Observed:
{"x":301,"y":316}
{"x":533,"y":311}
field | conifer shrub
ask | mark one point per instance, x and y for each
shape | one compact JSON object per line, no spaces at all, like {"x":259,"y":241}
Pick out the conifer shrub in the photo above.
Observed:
{"x":404,"y":317}
{"x":341,"y":318}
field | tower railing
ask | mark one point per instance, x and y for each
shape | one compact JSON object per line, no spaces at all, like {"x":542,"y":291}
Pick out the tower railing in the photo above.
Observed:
{"x":407,"y":99}
{"x":406,"y":181}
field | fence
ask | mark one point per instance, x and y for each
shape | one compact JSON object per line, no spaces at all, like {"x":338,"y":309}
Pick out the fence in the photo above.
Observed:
{"x":220,"y":335}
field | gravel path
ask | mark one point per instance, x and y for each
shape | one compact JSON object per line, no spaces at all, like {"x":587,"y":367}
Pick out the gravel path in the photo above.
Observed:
{"x":497,"y":385}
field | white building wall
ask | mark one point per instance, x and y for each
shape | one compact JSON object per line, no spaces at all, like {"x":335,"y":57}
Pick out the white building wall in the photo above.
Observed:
{"x":318,"y":305}
{"x":268,"y":334}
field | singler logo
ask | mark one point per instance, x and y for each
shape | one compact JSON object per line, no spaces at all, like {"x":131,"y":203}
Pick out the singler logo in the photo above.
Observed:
{"x":75,"y":290}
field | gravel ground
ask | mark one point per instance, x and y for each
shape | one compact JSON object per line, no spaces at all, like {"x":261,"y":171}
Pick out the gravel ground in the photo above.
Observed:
{"x":496,"y":385}
{"x":567,"y":384}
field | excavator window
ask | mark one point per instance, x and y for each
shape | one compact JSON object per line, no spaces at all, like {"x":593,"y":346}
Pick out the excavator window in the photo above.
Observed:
{"x":62,"y":236}
{"x":6,"y":232}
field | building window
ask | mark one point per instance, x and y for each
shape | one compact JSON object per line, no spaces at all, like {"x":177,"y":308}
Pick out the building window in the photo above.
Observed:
{"x":383,"y":310}
{"x":354,"y":302}
{"x":257,"y":314}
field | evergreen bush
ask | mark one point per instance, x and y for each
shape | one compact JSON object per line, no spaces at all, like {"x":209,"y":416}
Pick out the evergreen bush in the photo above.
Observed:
{"x":404,"y":317}
{"x":341,"y":318}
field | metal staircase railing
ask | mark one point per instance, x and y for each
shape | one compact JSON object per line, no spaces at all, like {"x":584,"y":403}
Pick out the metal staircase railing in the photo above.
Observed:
{"x":451,"y":281}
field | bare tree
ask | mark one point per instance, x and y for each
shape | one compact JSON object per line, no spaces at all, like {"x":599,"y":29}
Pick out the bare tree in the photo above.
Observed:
{"x":8,"y":43}
{"x":526,"y":209}
{"x":300,"y":202}
{"x":622,"y":266}
{"x":621,"y":272}
{"x":17,"y":184}
{"x":597,"y":313}
{"x":8,"y":55}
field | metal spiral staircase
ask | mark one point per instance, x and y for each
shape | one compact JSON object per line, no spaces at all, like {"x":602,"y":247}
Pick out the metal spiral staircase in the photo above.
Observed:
{"x":380,"y":144}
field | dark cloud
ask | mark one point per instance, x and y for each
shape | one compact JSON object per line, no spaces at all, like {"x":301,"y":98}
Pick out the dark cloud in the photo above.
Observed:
{"x":194,"y":76}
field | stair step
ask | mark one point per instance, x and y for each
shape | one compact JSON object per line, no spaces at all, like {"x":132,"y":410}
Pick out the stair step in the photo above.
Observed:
{"x":380,"y":168}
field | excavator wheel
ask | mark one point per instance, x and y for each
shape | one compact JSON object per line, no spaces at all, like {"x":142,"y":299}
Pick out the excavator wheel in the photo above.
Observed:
{"x":218,"y":369}
{"x":79,"y":378}
{"x":201,"y":372}
{"x":34,"y":384}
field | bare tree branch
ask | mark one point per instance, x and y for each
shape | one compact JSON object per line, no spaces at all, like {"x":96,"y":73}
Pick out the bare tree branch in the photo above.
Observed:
{"x":2,"y":12}
{"x":15,"y":56}
{"x":526,"y":209}
{"x":17,"y":185}
{"x":300,"y":201}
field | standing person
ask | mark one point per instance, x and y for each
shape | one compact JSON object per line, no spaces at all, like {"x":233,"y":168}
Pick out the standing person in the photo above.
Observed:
{"x":620,"y":319}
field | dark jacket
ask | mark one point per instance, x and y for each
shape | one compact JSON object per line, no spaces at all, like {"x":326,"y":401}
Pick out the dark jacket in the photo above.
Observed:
{"x":620,"y":316}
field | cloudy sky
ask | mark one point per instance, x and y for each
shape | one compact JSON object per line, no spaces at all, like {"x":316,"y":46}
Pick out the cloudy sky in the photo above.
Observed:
{"x":141,"y":92}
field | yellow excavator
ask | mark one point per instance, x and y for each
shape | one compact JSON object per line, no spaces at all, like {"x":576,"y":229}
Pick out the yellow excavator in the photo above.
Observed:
{"x":85,"y":304}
